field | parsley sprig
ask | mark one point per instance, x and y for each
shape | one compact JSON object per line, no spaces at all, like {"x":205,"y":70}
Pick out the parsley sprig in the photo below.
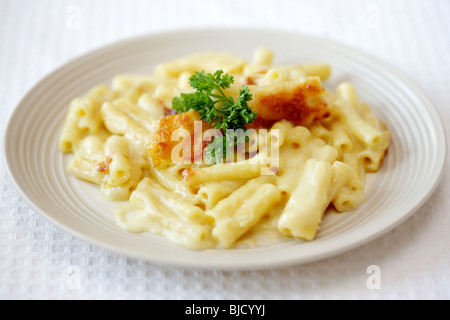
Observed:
{"x":218,"y":109}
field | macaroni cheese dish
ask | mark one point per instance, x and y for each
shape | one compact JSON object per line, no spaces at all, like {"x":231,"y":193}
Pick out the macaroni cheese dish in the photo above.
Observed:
{"x":309,"y":148}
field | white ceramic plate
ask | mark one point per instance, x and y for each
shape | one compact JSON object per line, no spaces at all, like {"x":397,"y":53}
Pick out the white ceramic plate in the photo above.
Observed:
{"x":409,"y":174}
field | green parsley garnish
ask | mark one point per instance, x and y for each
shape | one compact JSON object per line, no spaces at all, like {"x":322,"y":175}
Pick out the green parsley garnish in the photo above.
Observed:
{"x":218,"y":109}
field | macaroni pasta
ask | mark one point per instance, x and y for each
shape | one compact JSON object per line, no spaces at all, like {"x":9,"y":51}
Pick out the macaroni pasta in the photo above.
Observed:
{"x":314,"y":148}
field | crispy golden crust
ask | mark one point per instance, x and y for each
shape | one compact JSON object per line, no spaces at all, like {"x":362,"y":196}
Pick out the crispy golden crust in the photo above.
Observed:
{"x":300,"y":103}
{"x":161,"y":146}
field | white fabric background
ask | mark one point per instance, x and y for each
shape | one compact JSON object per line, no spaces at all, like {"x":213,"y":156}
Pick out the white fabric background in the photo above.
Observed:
{"x":35,"y":257}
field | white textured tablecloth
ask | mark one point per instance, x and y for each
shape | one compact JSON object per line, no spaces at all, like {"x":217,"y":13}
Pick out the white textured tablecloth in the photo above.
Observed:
{"x":39,"y":261}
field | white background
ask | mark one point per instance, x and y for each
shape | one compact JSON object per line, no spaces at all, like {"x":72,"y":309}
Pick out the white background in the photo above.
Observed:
{"x":39,"y":261}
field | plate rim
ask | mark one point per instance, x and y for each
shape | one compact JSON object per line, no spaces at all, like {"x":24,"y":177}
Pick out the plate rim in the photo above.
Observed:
{"x":431,"y":109}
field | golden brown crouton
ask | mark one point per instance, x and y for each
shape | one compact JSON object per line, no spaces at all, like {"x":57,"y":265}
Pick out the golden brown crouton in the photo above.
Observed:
{"x":161,"y":145}
{"x":301,"y":103}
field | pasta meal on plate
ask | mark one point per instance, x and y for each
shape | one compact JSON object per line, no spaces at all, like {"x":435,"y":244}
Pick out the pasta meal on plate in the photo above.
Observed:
{"x":211,"y":151}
